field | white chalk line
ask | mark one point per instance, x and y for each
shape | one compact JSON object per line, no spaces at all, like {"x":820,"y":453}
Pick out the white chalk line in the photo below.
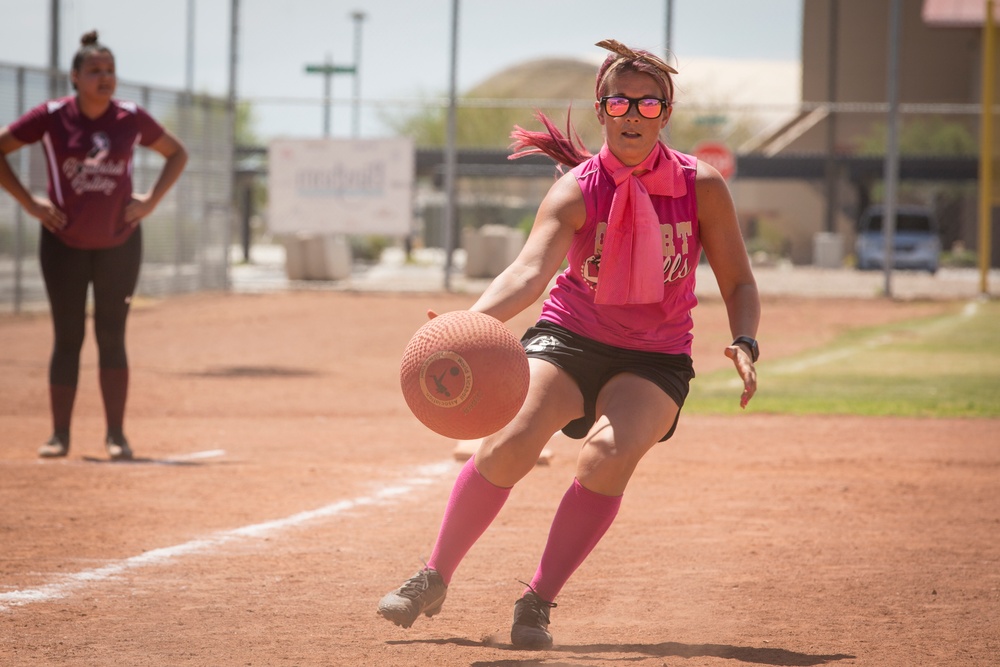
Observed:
{"x":67,"y":584}
{"x":208,"y":454}
{"x":176,"y":460}
{"x":792,"y":367}
{"x":183,"y":459}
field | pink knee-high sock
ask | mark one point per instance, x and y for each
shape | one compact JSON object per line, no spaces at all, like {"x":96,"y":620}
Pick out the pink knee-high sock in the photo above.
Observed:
{"x":580,"y":522}
{"x":473,"y":505}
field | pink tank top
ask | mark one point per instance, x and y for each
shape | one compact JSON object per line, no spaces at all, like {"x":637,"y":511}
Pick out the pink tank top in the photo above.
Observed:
{"x":654,"y":327}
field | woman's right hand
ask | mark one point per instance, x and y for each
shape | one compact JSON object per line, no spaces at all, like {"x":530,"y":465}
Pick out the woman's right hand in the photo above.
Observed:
{"x":745,"y":367}
{"x":51,"y":217}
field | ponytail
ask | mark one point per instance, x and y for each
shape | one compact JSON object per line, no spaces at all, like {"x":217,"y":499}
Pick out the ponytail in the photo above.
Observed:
{"x":568,"y":151}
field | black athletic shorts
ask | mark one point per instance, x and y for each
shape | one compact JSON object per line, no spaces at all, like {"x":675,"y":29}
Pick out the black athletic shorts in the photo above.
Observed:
{"x":592,"y":364}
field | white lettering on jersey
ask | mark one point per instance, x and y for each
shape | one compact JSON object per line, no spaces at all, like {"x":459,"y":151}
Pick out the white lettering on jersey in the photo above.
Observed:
{"x":675,"y":248}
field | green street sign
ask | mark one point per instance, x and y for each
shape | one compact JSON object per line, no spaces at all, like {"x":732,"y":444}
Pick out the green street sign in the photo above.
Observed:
{"x":330,"y":69}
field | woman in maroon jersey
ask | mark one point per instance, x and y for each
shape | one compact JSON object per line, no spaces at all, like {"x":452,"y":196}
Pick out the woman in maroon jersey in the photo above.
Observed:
{"x":90,"y":227}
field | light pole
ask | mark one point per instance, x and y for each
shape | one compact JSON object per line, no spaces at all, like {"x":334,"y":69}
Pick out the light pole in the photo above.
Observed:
{"x":668,"y":30}
{"x":232,"y":101}
{"x":891,"y":168}
{"x":985,"y":149}
{"x":358,"y":17}
{"x":54,"y":33}
{"x":189,"y":49}
{"x":450,"y":151}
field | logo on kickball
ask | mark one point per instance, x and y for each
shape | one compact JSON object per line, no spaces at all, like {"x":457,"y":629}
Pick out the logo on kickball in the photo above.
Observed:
{"x":446,"y":379}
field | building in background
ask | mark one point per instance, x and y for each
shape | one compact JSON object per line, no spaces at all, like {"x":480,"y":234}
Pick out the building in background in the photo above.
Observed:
{"x":843,"y":119}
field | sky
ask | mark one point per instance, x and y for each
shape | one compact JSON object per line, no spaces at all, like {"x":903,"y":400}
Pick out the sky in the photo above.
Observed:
{"x":746,"y":51}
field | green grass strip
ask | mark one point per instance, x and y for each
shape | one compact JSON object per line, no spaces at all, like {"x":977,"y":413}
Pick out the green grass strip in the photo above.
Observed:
{"x":947,"y":366}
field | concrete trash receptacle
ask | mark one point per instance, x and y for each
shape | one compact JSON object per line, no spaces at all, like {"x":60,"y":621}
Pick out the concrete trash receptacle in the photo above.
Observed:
{"x":490,"y":249}
{"x":828,"y":250}
{"x":317,"y":257}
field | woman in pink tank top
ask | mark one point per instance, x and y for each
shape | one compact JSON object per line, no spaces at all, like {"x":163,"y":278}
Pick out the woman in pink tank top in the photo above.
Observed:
{"x":610,"y":356}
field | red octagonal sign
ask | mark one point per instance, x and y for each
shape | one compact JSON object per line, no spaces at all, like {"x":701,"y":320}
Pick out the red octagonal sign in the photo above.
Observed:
{"x":718,"y":155}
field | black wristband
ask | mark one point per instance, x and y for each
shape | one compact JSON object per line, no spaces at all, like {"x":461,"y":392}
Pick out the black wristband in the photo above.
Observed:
{"x":751,"y":345}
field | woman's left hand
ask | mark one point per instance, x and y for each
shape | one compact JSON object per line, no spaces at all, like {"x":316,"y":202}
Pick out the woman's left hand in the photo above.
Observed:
{"x":137,"y":209}
{"x":744,"y":366}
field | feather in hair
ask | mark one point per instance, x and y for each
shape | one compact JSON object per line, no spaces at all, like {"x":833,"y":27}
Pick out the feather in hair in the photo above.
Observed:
{"x":615,"y":46}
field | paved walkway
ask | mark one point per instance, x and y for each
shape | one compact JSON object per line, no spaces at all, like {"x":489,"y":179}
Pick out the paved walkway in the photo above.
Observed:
{"x":425,"y":273}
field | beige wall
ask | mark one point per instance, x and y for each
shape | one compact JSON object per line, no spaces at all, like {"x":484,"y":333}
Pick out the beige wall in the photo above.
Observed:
{"x":796,"y":209}
{"x":940,"y":65}
{"x":936,"y":66}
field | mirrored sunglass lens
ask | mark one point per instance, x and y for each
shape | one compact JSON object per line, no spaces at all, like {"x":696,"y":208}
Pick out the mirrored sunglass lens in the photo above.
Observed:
{"x":616,"y":106}
{"x":649,"y":108}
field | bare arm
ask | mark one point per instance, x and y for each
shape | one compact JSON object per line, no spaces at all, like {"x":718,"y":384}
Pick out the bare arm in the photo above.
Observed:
{"x":726,"y":253}
{"x":561,"y":213}
{"x":142,"y":205}
{"x":38,"y":207}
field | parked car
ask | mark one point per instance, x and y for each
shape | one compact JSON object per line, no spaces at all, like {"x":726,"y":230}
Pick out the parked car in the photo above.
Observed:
{"x":916,"y":240}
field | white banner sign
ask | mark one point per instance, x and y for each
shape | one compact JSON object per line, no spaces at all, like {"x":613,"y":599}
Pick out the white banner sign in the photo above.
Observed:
{"x":340,"y":186}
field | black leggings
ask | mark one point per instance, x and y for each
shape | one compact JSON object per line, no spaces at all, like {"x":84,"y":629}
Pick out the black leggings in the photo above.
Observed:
{"x":68,"y":272}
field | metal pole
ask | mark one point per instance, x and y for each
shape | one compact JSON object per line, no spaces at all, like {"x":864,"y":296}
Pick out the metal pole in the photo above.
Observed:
{"x":18,"y":210}
{"x":449,"y":162}
{"x":892,"y":144}
{"x":186,"y":120}
{"x":668,"y":29}
{"x":986,"y":149}
{"x":327,"y":95}
{"x":54,"y":32}
{"x":234,"y":22}
{"x":356,"y":124}
{"x":831,"y":118}
{"x":189,"y":53}
{"x":328,"y":70}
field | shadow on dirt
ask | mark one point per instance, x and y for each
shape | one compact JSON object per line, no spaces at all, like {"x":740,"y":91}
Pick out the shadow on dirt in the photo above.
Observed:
{"x":139,"y":460}
{"x":747,"y":654}
{"x":253,"y":372}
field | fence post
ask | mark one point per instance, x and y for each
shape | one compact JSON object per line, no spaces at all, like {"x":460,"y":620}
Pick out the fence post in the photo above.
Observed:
{"x":18,"y":211}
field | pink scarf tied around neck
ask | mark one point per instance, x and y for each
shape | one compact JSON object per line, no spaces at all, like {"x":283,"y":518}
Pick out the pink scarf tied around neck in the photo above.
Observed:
{"x":632,"y":257}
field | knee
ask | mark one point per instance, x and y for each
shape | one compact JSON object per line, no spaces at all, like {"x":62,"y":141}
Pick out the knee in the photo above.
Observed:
{"x":110,"y":344}
{"x":608,"y":462}
{"x":112,"y":354}
{"x":504,"y":461}
{"x":68,"y":341}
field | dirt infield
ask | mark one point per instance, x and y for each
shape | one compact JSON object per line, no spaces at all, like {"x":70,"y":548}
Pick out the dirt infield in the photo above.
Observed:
{"x":283,"y":487}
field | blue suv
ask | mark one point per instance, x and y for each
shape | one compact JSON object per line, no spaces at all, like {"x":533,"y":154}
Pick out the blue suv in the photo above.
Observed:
{"x":916,"y":241}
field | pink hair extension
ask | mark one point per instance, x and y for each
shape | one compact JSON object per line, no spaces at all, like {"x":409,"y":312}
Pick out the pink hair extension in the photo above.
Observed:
{"x":565,"y":149}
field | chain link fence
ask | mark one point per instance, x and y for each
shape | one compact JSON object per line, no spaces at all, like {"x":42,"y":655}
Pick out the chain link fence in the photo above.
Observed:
{"x":186,"y":240}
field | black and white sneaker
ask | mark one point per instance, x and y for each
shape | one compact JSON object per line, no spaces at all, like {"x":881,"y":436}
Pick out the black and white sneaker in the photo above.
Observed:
{"x":118,"y":449}
{"x":531,"y":622}
{"x":423,"y":593}
{"x":55,"y":447}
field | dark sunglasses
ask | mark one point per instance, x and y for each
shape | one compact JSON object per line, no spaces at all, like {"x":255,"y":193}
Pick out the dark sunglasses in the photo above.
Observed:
{"x":617,"y":106}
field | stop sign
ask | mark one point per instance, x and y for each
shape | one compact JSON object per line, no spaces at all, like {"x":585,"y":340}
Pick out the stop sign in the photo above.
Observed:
{"x":718,"y":155}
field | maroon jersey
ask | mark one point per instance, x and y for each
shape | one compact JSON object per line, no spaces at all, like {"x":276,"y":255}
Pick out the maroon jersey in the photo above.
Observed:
{"x":89,"y":162}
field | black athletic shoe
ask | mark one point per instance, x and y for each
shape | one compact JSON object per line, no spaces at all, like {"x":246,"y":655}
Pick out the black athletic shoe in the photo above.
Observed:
{"x":54,"y":448}
{"x":423,"y":593}
{"x":531,"y":622}
{"x":118,"y":449}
